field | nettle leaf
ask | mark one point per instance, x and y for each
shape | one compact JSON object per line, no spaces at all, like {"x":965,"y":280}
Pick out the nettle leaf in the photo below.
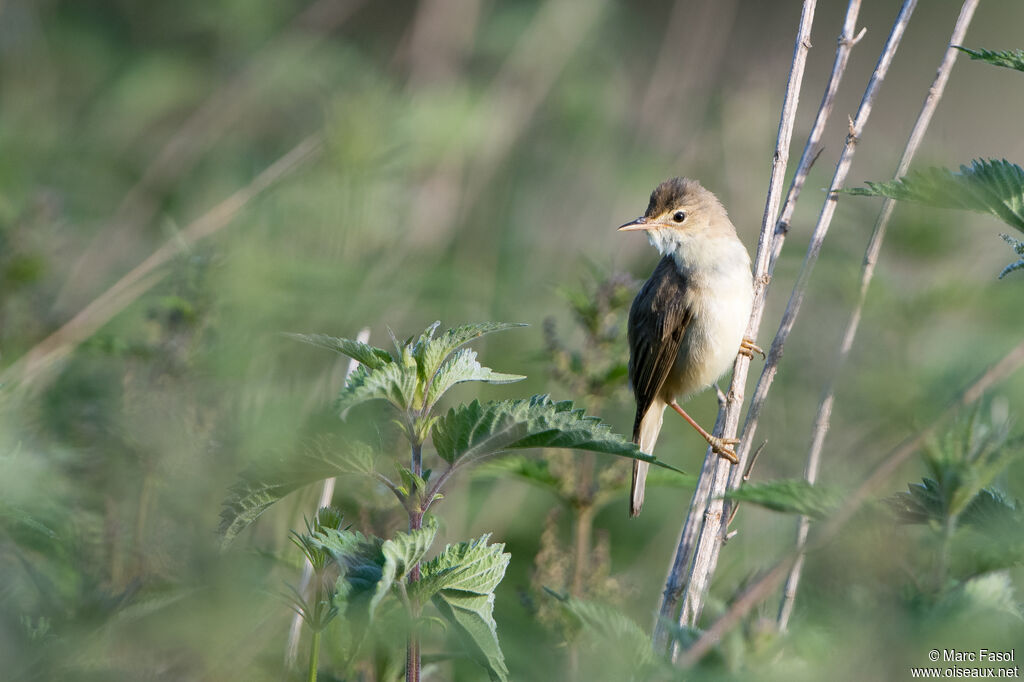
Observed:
{"x":1018,"y":248}
{"x":993,"y":511}
{"x":393,"y":382}
{"x":462,"y":366}
{"x":794,"y":496}
{"x":477,"y":430}
{"x":461,"y":581}
{"x":1011,"y":59}
{"x":922,"y":503}
{"x":430,"y":353}
{"x":986,"y":186}
{"x":401,"y":553}
{"x":265,"y":483}
{"x":611,"y":629}
{"x":372,"y":357}
{"x":361,"y":562}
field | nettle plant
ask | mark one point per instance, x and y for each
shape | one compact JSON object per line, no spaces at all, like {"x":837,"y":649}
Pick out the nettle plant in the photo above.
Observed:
{"x":364,"y":579}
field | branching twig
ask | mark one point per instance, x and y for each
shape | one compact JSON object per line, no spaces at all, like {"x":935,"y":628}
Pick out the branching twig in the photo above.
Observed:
{"x":728,"y":417}
{"x":821,"y":421}
{"x":291,"y":651}
{"x":34,"y":366}
{"x":760,"y":590}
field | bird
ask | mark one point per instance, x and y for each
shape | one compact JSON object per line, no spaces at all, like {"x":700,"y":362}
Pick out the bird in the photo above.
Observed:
{"x":687,"y":323}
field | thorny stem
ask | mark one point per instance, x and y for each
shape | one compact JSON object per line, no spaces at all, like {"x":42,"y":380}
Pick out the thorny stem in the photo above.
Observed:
{"x":714,"y":471}
{"x":822,"y":419}
{"x":758,"y":591}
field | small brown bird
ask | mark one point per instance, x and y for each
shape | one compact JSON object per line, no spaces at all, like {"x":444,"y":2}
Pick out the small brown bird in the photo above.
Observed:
{"x":686,"y":325}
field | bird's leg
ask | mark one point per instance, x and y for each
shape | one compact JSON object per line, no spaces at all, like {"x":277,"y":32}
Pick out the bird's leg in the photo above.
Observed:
{"x":748,"y":348}
{"x":719,"y":445}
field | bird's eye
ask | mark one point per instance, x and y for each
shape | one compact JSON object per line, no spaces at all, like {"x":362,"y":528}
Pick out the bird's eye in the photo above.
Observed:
{"x":679,"y":216}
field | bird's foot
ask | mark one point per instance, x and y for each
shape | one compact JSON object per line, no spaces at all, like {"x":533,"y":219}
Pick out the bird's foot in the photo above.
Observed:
{"x":748,"y":348}
{"x":722,"y":447}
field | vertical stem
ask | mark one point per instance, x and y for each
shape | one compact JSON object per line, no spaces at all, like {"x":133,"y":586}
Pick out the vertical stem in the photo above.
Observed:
{"x":412,"y":656}
{"x":681,"y":577}
{"x":314,"y":656}
{"x":824,"y":414}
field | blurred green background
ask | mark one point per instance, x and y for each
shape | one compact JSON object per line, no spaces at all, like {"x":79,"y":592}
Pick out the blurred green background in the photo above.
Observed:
{"x":476,"y":157}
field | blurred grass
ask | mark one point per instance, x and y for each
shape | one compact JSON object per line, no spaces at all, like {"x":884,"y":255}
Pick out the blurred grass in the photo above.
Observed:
{"x":468,"y":190}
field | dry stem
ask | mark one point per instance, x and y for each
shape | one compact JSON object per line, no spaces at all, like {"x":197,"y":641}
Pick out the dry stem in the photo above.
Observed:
{"x":760,"y":590}
{"x":36,"y":365}
{"x":714,"y":471}
{"x":821,"y":421}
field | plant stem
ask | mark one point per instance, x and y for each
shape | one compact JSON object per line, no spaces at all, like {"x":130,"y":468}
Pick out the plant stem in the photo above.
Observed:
{"x":823,"y":417}
{"x":291,"y":651}
{"x":714,"y":470}
{"x":712,"y":535}
{"x":412,"y":656}
{"x":314,"y":656}
{"x":757,"y":592}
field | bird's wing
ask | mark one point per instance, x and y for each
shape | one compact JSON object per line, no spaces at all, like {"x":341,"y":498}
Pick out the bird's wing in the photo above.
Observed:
{"x":657,"y":322}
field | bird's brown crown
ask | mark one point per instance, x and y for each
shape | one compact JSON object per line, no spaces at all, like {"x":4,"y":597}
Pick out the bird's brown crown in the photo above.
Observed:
{"x":679,"y":192}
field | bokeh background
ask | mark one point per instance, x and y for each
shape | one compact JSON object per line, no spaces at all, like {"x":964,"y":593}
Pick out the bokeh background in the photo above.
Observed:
{"x":470,"y":159}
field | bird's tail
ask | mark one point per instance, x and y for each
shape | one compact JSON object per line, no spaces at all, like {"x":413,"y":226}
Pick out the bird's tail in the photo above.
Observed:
{"x":645,"y":434}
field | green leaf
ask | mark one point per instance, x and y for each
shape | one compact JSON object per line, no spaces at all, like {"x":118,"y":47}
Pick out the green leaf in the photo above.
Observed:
{"x":393,"y":382}
{"x":1011,"y":59}
{"x":361,"y":562}
{"x":463,"y":366}
{"x":921,"y":503}
{"x":983,"y":596}
{"x":1018,"y":248}
{"x":267,"y":482}
{"x":372,"y":357}
{"x":477,"y":430}
{"x":401,"y":553}
{"x":430,"y":353}
{"x":611,"y":629}
{"x":986,"y":186}
{"x":461,"y":582}
{"x":794,"y":496}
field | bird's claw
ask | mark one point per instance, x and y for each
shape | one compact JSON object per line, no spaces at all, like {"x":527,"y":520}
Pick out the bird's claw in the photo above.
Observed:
{"x":721,"y":447}
{"x":748,"y":348}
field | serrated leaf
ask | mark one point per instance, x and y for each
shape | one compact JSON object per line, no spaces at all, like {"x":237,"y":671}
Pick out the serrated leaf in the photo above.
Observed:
{"x":477,"y":430}
{"x":461,"y":581}
{"x":794,"y":496}
{"x":360,"y":560}
{"x":393,"y":382}
{"x":1011,"y":59}
{"x":920,"y":504}
{"x":461,"y":366}
{"x":401,"y":553}
{"x":986,"y":186}
{"x":372,"y":357}
{"x":431,"y":352}
{"x":265,"y":483}
{"x":1018,"y":248}
{"x":610,"y":628}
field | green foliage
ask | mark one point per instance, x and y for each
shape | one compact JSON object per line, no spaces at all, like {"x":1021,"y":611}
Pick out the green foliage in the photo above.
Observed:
{"x":794,"y":496}
{"x":1011,"y":59}
{"x":461,"y":581}
{"x":986,"y":186}
{"x":364,"y":354}
{"x":1018,"y":248}
{"x":267,"y":482}
{"x":472,"y":432}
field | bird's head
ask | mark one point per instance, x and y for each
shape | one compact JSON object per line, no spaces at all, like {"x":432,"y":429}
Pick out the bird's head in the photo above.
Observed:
{"x":681,"y":209}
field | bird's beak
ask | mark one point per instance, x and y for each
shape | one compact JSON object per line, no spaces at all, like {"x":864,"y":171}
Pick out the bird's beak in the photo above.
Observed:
{"x":638,"y":224}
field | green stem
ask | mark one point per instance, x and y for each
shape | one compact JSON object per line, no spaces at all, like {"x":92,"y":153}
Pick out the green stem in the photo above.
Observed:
{"x":412,"y":657}
{"x":314,"y":656}
{"x":942,"y":566}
